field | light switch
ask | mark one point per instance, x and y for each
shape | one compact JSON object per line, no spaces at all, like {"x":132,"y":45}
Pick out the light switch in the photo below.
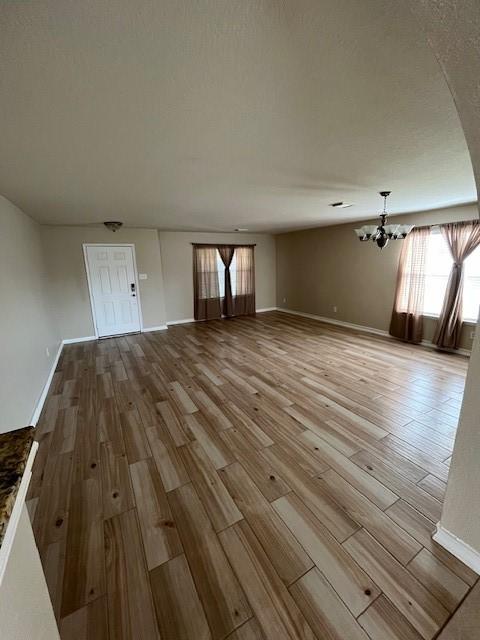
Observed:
{"x":142,"y":276}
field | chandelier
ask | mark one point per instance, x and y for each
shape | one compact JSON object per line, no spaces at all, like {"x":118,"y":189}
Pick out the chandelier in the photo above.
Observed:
{"x":382,"y":233}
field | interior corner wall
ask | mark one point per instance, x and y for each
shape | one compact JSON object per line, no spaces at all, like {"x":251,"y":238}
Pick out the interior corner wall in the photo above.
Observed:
{"x":460,"y":516}
{"x":319,"y":269}
{"x":68,"y":280}
{"x":177,"y":260}
{"x":27,"y":327}
{"x":453,"y":31}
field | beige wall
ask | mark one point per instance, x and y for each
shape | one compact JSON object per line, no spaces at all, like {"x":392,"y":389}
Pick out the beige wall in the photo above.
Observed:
{"x":166,"y":256}
{"x":27,"y":328}
{"x":325,"y":267}
{"x":66,"y":270}
{"x":176,"y":250}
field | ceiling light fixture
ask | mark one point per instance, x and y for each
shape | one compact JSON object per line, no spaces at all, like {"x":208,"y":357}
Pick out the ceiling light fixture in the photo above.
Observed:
{"x":382,"y":233}
{"x":341,"y":205}
{"x":240,"y":229}
{"x":113,"y":225}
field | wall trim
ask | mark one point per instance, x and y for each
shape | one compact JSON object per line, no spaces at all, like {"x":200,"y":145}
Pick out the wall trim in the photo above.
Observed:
{"x":161,"y":327}
{"x":183,"y":321}
{"x":14,"y":519}
{"x":461,"y":352}
{"x":74,"y":340}
{"x":365,"y":329}
{"x":43,"y":396}
{"x":46,"y":387}
{"x":340,"y":323}
{"x":460,"y":549}
{"x":189,"y":320}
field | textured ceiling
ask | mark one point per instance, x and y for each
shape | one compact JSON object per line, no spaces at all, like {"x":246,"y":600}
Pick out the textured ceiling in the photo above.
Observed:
{"x":216,"y":114}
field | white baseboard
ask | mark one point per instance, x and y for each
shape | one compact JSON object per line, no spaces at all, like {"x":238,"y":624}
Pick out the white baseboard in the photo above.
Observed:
{"x":365,"y":329}
{"x":340,"y":323}
{"x":460,"y":549}
{"x":161,"y":327}
{"x":190,"y":320}
{"x":183,"y":321}
{"x":74,"y":340}
{"x":43,"y":396}
{"x":462,"y":352}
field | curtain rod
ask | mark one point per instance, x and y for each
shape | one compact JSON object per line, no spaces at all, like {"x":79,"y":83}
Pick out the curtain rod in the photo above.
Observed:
{"x":220,"y":244}
{"x":442,"y":224}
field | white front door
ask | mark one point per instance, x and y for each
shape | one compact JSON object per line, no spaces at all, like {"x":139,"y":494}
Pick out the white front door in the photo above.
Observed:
{"x":113,"y":289}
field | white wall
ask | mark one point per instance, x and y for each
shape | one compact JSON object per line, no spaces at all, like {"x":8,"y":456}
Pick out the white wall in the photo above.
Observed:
{"x":25,"y":609}
{"x":452,"y":29}
{"x":461,"y":513}
{"x":177,"y":261}
{"x":27,"y":327}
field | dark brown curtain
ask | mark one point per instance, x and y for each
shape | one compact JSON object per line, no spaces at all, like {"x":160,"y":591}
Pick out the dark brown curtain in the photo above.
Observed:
{"x":407,"y":315}
{"x":244,"y":300}
{"x":206,"y":293}
{"x":226,"y":253}
{"x":462,"y":238}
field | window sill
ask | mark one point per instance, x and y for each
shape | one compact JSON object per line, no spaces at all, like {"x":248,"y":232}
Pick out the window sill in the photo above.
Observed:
{"x":434,"y":317}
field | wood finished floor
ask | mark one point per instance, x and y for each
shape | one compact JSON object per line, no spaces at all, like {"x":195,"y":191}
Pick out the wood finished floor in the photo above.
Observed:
{"x":266,"y":477}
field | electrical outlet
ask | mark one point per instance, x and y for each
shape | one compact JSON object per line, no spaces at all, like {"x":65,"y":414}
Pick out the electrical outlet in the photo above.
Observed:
{"x":334,"y":308}
{"x":284,"y":300}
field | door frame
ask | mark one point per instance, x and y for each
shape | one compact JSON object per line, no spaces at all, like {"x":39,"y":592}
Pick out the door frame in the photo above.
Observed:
{"x":85,"y":246}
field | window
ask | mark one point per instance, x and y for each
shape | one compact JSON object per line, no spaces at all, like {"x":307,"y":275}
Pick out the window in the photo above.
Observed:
{"x":245,"y":275}
{"x":438,"y":264}
{"x":471,"y":286}
{"x":221,"y":274}
{"x":206,"y":273}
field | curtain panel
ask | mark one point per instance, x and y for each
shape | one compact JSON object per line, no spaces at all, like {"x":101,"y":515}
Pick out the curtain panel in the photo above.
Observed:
{"x":407,"y":315}
{"x":462,"y":238}
{"x":244,"y":301}
{"x":206,"y":291}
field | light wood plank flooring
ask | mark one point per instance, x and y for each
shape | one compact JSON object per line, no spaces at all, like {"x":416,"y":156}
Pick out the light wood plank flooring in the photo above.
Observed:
{"x":263,"y":477}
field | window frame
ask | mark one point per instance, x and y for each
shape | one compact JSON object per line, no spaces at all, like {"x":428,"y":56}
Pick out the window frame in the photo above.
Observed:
{"x":436,"y":230}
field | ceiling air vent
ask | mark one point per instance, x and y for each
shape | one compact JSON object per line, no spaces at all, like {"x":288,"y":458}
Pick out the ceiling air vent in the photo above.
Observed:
{"x":341,"y":205}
